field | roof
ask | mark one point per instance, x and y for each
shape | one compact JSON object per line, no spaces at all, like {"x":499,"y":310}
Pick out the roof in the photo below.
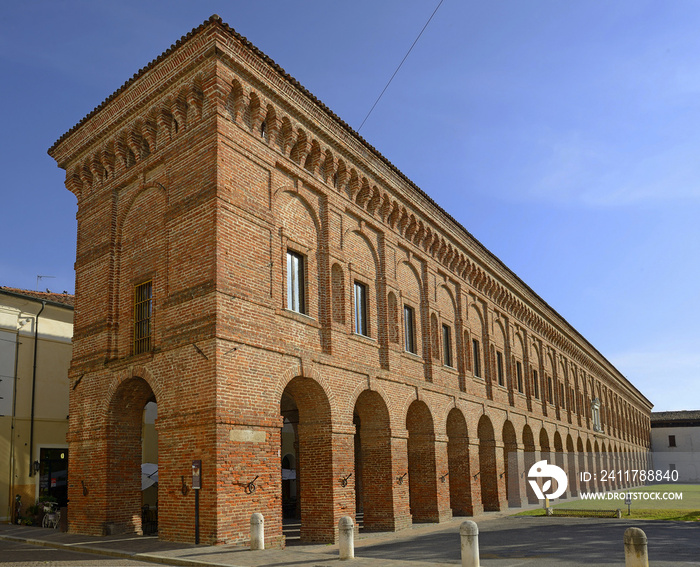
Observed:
{"x":688,"y":418}
{"x":216,"y":20}
{"x":64,"y":299}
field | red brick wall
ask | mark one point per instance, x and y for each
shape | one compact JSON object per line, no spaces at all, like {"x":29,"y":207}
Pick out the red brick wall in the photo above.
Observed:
{"x":200,"y":174}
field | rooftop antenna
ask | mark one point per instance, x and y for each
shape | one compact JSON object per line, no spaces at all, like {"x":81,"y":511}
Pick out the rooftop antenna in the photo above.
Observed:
{"x":42,"y":278}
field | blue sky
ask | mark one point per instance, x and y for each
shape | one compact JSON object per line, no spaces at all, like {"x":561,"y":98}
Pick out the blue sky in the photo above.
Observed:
{"x":565,"y":136}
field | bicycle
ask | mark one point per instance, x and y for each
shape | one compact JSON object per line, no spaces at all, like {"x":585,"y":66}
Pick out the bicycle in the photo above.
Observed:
{"x":52,"y":516}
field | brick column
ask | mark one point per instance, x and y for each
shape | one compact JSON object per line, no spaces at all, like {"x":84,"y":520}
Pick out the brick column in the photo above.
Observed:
{"x":444,"y":511}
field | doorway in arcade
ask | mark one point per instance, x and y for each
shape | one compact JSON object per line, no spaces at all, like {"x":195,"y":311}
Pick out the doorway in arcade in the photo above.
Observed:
{"x":53,"y":474}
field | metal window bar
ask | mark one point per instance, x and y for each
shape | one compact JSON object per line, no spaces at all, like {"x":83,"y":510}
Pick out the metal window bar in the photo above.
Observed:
{"x":143,"y":311}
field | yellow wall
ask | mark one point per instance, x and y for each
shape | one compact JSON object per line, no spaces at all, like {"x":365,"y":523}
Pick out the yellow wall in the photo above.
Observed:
{"x":17,"y":324}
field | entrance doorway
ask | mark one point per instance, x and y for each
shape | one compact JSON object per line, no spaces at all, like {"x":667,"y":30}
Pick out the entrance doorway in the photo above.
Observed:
{"x":53,"y":475}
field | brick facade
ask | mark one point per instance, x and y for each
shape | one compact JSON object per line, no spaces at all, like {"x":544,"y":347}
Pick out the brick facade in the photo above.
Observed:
{"x":200,"y":175}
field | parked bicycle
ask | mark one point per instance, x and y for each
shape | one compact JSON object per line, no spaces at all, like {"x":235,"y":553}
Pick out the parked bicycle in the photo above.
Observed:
{"x":52,"y":515}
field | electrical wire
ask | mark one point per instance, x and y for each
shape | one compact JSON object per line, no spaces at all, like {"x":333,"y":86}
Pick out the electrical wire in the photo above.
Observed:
{"x":400,"y":64}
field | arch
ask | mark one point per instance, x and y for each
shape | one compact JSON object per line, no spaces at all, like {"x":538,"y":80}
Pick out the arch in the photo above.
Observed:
{"x":487,"y":465}
{"x":364,"y":252}
{"x":510,"y":460}
{"x":530,"y":459}
{"x":559,"y":455}
{"x":409,"y":280}
{"x":373,"y":463}
{"x":421,"y":463}
{"x":305,"y":406}
{"x":572,"y":465}
{"x":140,"y":248}
{"x":124,"y":453}
{"x":458,"y":464}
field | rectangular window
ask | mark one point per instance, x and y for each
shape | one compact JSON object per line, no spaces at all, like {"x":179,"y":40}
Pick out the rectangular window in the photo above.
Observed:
{"x":143,"y":311}
{"x":535,"y":384}
{"x":519,"y":375}
{"x":499,"y":367}
{"x":361,"y":309}
{"x":562,"y":400}
{"x":550,"y":390}
{"x":671,"y":440}
{"x":446,"y":345}
{"x":295,"y":282}
{"x":409,"y":329}
{"x":477,"y":357}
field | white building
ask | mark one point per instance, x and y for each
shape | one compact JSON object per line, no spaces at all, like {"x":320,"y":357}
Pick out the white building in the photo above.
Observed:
{"x":36,"y":329}
{"x":675,"y":443}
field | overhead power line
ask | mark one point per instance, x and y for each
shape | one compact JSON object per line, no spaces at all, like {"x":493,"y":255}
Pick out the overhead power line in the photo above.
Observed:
{"x":400,"y":64}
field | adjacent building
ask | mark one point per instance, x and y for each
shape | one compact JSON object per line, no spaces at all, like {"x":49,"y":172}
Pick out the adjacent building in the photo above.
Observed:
{"x":675,"y":443}
{"x":35,"y":354}
{"x":319,"y":336}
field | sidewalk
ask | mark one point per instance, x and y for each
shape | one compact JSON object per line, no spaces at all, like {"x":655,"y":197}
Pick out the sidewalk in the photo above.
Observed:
{"x":149,"y":548}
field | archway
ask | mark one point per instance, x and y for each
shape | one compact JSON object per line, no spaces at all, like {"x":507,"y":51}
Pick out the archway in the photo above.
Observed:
{"x":487,"y":465}
{"x":572,"y":466}
{"x":581,"y":465}
{"x":458,"y":464}
{"x":125,"y":455}
{"x":510,"y":460}
{"x":559,"y":457}
{"x":530,"y":459}
{"x":306,"y":436}
{"x":373,"y":479}
{"x":421,"y":464}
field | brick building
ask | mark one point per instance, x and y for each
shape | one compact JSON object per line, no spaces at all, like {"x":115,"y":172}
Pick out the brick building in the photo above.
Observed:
{"x":312,"y":326}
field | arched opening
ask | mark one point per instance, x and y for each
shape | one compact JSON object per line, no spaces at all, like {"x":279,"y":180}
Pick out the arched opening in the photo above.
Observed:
{"x":306,"y":436}
{"x":559,"y":457}
{"x":373,"y":473}
{"x":487,"y":465}
{"x":510,"y":459}
{"x":149,"y":469}
{"x":530,"y":460}
{"x":131,"y":418}
{"x":597,"y":466}
{"x":581,"y":465}
{"x":458,"y":464}
{"x":571,"y":464}
{"x":422,"y":488}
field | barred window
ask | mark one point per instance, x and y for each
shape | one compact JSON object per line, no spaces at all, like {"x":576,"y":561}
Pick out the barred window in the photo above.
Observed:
{"x":361,"y":309}
{"x":477,"y":357}
{"x":409,"y":331}
{"x":143,"y":311}
{"x":446,"y":345}
{"x":519,"y":373}
{"x":499,"y":367}
{"x":296,"y":300}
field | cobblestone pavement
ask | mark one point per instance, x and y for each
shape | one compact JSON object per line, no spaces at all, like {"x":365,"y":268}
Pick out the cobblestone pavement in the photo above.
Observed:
{"x":503,"y":541}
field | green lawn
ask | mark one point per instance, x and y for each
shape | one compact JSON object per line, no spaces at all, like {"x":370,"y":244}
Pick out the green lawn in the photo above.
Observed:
{"x":686,"y":509}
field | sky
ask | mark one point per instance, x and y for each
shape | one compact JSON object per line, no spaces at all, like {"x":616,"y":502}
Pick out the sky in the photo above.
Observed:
{"x":565,"y":136}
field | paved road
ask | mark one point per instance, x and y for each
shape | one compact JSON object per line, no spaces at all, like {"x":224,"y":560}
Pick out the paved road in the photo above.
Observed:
{"x":538,"y":541}
{"x":15,"y":554}
{"x":503,"y":541}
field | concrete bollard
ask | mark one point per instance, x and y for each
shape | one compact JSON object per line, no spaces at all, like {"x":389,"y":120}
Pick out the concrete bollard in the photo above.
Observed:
{"x":346,"y":533}
{"x":257,"y":532}
{"x":636,"y":548}
{"x":469,"y":536}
